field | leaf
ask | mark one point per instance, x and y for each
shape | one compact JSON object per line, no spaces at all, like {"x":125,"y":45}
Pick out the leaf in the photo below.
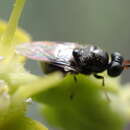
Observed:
{"x":83,"y":105}
{"x":29,"y":124}
{"x":25,"y":124}
{"x":36,"y":86}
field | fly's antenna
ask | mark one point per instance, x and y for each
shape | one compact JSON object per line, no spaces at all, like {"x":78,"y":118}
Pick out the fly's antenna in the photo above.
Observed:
{"x":126,"y":64}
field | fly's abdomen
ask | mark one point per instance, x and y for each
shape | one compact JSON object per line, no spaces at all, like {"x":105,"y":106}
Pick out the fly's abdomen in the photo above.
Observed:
{"x":49,"y":68}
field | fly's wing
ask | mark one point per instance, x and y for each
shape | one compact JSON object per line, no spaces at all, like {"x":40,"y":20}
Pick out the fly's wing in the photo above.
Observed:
{"x":59,"y":54}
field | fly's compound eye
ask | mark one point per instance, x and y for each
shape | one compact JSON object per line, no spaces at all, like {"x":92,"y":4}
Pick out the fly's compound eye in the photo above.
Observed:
{"x":117,"y":57}
{"x":115,"y":68}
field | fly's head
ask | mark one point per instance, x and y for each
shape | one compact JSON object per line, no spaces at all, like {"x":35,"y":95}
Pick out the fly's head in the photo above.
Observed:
{"x":116,"y":66}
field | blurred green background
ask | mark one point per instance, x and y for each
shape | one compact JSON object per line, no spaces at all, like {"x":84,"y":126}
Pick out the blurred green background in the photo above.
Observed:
{"x":102,"y":22}
{"x":105,"y":23}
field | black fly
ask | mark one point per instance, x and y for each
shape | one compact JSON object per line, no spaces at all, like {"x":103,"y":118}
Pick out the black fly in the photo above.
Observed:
{"x":74,"y":58}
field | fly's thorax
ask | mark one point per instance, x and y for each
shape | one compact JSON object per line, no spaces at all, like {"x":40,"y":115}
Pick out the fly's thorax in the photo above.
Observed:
{"x":91,"y":59}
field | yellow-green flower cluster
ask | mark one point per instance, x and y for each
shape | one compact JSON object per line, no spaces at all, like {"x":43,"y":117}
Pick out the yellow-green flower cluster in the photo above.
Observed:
{"x":65,"y":104}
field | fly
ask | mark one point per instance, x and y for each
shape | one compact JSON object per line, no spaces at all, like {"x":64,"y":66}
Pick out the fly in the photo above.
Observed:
{"x":75,"y":58}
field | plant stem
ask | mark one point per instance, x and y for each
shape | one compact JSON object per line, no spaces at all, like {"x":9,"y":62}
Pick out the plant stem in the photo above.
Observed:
{"x":13,"y":21}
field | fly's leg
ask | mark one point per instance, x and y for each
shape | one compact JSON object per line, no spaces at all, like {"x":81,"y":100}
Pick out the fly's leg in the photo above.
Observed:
{"x":73,"y":92}
{"x":103,"y":84}
{"x":100,"y":77}
{"x":75,"y":78}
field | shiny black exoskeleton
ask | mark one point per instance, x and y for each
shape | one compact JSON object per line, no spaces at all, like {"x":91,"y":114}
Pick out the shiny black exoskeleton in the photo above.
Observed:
{"x":93,"y":60}
{"x":74,"y":58}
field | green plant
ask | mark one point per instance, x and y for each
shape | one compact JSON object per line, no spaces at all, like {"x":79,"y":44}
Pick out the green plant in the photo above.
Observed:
{"x":89,"y":108}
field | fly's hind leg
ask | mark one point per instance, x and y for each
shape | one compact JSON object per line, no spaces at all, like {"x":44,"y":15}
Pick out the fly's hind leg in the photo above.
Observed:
{"x":103,"y":84}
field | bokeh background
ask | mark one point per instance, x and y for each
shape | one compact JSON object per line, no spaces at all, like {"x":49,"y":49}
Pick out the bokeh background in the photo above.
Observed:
{"x":105,"y":23}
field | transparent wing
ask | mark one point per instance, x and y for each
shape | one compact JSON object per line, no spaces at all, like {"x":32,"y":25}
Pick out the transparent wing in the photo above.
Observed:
{"x":59,"y":53}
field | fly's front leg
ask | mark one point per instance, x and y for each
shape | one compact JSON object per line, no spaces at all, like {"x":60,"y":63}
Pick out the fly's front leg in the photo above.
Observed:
{"x":100,"y":77}
{"x":75,"y":86}
{"x":72,"y":71}
{"x":103,"y":84}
